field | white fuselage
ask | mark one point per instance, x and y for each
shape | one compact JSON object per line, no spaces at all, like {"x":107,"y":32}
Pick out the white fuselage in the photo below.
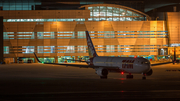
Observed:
{"x":126,"y":64}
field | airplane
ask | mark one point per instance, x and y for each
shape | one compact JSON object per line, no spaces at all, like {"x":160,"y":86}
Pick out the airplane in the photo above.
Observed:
{"x":104,"y":64}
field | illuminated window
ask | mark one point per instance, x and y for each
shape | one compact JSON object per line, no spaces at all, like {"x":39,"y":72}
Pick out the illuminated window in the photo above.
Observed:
{"x":122,"y":19}
{"x":46,"y":49}
{"x":109,"y":34}
{"x":101,"y":19}
{"x":90,"y":19}
{"x":5,"y":35}
{"x":119,"y":48}
{"x":96,"y":19}
{"x":109,"y":48}
{"x":115,"y":19}
{"x":101,"y":35}
{"x":49,"y":49}
{"x":81,"y":34}
{"x":41,"y":20}
{"x":27,"y":49}
{"x":40,"y":35}
{"x":14,"y":5}
{"x":66,"y":35}
{"x":25,"y":35}
{"x":66,"y":49}
{"x":6,"y":49}
{"x":92,"y":35}
{"x":48,"y":35}
{"x":81,"y":49}
{"x":109,"y":19}
{"x":70,"y":49}
{"x":10,"y":35}
{"x":40,"y":49}
{"x":100,"y":48}
{"x":128,"y":19}
{"x":99,"y":13}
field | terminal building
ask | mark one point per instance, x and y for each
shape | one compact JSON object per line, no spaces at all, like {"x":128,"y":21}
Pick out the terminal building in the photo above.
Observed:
{"x":57,"y":35}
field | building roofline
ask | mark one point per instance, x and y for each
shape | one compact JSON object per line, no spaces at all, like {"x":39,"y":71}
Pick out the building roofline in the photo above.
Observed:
{"x":117,"y":6}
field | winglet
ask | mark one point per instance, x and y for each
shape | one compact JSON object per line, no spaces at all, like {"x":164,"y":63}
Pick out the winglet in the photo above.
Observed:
{"x":91,"y":49}
{"x":37,"y":58}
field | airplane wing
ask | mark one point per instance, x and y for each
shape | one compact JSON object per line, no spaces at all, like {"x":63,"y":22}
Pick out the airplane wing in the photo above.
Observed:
{"x":77,"y":60}
{"x":83,"y":66}
{"x":160,"y":63}
{"x":75,"y":65}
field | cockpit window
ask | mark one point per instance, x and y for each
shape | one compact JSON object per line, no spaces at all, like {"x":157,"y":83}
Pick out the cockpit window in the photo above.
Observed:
{"x":145,"y":62}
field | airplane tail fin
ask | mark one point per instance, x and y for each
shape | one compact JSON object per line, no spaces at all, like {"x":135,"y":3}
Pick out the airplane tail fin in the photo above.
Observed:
{"x":91,"y":49}
{"x":37,"y":58}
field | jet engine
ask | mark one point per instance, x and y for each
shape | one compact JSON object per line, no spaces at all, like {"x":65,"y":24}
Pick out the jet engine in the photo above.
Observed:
{"x":88,"y":62}
{"x":101,"y":72}
{"x":149,"y":72}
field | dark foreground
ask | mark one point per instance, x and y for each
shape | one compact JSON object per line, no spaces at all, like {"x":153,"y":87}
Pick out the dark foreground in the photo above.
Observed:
{"x":34,"y":82}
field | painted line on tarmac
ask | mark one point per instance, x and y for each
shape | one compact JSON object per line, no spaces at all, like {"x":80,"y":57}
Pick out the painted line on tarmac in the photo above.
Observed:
{"x":79,"y":92}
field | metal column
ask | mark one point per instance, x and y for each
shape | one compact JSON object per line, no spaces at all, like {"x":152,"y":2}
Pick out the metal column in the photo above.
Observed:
{"x":1,"y":39}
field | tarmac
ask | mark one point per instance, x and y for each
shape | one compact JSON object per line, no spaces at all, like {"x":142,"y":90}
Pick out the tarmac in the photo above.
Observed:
{"x":54,"y":82}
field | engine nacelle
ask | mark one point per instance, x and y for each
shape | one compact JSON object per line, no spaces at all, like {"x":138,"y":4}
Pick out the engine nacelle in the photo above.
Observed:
{"x":88,"y":62}
{"x":101,"y":71}
{"x":149,"y":72}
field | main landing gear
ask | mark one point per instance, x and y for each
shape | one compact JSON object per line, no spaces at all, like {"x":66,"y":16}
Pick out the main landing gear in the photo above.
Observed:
{"x":129,"y":76}
{"x":103,"y":77}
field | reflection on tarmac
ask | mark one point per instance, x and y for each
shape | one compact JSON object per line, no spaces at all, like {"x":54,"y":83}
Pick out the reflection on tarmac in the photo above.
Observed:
{"x":47,"y":82}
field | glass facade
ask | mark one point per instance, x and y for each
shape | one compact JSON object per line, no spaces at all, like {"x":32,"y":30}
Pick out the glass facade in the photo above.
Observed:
{"x":81,"y":34}
{"x":41,"y":20}
{"x":18,"y":4}
{"x":63,"y":37}
{"x":83,"y":49}
{"x":100,"y":13}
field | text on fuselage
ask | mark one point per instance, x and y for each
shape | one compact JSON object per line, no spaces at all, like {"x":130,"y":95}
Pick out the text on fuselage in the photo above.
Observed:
{"x":127,"y":64}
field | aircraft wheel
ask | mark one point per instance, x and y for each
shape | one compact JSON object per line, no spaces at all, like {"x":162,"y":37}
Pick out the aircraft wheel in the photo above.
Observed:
{"x":129,"y":76}
{"x":144,"y":78}
{"x":103,"y":77}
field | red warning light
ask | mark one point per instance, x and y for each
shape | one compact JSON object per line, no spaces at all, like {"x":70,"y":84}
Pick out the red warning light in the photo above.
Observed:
{"x":122,"y":73}
{"x":135,"y":56}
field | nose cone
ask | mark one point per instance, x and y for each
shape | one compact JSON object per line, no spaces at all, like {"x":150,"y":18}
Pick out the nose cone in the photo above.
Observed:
{"x":147,"y":67}
{"x":148,"y":70}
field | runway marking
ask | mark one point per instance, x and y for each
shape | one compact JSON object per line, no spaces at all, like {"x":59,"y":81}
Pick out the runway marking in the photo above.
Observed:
{"x":79,"y":92}
{"x":173,"y":70}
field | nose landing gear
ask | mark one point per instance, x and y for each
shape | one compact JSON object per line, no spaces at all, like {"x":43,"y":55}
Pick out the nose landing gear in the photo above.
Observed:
{"x":129,"y":76}
{"x":103,"y":77}
{"x":144,"y":77}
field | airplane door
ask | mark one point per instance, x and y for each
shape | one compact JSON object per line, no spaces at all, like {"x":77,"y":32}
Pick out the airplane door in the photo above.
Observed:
{"x":109,"y":62}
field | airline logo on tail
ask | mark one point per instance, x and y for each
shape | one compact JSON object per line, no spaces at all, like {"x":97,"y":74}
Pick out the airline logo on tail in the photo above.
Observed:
{"x":91,"y":50}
